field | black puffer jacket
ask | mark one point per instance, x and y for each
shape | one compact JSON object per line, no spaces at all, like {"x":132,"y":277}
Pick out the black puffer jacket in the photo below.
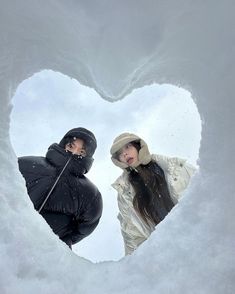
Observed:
{"x":74,"y":208}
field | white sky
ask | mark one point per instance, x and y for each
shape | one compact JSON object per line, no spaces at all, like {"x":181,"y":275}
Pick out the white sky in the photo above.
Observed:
{"x":49,"y":104}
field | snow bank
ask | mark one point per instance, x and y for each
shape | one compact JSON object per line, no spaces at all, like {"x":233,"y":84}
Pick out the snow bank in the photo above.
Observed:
{"x":114,"y":47}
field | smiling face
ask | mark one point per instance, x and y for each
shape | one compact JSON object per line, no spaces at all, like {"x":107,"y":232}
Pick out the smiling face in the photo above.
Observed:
{"x":128,"y":154}
{"x":76,"y":146}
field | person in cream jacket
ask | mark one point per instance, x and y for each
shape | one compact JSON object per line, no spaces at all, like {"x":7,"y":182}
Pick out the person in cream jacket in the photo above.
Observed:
{"x":148,"y":188}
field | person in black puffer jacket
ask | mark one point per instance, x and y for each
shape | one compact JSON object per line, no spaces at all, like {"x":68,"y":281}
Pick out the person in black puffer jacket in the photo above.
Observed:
{"x":74,"y":206}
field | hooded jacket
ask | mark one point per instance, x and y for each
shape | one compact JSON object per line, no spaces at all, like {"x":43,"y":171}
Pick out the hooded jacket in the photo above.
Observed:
{"x":74,"y":207}
{"x":177,"y":174}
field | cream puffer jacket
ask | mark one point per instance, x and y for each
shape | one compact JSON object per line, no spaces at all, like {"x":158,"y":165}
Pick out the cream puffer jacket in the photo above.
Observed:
{"x":134,"y":230}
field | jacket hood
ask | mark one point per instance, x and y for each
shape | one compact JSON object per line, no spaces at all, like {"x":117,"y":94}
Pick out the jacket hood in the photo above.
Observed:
{"x":58,"y":157}
{"x":121,"y":141}
{"x":84,"y":134}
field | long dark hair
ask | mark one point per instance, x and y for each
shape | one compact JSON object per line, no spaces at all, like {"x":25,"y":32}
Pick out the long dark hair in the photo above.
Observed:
{"x":152,"y":198}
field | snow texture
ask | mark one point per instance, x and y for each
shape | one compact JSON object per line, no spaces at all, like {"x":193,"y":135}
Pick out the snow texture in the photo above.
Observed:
{"x":114,"y":47}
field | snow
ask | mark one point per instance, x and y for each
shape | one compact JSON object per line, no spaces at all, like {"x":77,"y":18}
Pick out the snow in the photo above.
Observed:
{"x":165,"y":116}
{"x":115,"y":47}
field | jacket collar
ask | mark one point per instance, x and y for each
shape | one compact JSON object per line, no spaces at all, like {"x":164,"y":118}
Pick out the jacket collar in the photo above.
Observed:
{"x":57,"y":156}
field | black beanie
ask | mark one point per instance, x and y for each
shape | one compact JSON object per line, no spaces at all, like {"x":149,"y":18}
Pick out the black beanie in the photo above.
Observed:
{"x":84,"y":134}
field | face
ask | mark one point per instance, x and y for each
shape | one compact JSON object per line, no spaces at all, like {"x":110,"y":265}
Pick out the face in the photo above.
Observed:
{"x":128,"y":154}
{"x":76,"y":147}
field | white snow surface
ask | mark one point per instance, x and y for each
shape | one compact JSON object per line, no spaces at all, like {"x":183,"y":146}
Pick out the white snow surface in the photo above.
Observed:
{"x":115,"y":47}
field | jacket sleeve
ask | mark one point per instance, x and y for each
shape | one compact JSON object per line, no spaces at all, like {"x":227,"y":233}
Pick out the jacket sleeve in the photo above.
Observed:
{"x":180,"y":178}
{"x":128,"y":232}
{"x":39,"y":177}
{"x":85,"y":224}
{"x":134,"y":231}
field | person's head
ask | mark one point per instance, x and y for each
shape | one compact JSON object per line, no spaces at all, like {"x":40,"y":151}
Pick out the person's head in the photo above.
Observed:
{"x":79,"y":141}
{"x":129,"y":153}
{"x":129,"y":150}
{"x":76,"y":146}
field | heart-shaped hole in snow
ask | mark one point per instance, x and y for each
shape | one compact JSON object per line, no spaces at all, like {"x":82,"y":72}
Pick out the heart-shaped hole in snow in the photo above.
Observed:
{"x":48,"y":104}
